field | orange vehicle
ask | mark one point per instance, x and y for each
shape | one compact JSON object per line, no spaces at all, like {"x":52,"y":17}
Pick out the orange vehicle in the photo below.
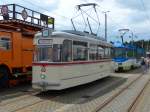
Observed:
{"x":17,"y":28}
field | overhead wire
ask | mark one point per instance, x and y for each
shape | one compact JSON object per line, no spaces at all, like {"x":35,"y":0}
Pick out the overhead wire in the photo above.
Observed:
{"x":118,"y":24}
{"x":44,"y":9}
{"x":77,"y":22}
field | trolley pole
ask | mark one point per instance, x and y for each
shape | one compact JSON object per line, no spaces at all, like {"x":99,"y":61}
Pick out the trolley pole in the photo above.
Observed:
{"x":106,"y":24}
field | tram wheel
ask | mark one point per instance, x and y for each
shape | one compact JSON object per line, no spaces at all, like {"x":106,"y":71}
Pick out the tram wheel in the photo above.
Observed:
{"x":3,"y":77}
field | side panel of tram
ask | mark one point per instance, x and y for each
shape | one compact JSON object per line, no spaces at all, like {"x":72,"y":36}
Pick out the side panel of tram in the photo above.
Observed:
{"x":75,"y":63}
{"x":58,"y":77}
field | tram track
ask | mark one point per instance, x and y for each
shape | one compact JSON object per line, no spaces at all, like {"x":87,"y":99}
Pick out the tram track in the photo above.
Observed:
{"x":23,"y":96}
{"x":26,"y":98}
{"x":89,"y":98}
{"x":29,"y":105}
{"x":25,"y":101}
{"x":110,"y":99}
{"x":77,"y":93}
{"x":137,"y":99}
{"x":69,"y":106}
{"x":57,"y":103}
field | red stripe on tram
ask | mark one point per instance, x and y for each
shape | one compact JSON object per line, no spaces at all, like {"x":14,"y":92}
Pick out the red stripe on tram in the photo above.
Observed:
{"x":69,"y":63}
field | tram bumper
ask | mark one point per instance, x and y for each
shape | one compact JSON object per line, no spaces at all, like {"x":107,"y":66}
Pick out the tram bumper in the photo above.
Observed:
{"x":42,"y":85}
{"x":118,"y":66}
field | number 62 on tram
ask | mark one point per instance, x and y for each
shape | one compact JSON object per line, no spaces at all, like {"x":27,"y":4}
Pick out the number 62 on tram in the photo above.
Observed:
{"x":66,"y":59}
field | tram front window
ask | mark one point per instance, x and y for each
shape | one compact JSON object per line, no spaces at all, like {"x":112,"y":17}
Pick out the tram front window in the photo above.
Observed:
{"x":67,"y":51}
{"x":43,"y":54}
{"x":51,"y":54}
{"x":79,"y":51}
{"x":119,"y":53}
{"x":130,"y":53}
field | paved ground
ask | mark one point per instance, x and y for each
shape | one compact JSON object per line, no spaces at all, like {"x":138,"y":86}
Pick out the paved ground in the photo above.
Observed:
{"x":83,"y":98}
{"x":144,"y":102}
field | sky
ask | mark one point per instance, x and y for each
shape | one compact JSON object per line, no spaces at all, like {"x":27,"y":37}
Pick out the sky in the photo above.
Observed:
{"x":124,"y":14}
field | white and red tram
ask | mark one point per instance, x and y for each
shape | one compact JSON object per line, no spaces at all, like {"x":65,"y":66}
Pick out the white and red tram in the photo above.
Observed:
{"x":66,"y":59}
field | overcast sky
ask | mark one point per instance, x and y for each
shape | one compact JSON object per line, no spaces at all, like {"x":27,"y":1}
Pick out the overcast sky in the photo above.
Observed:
{"x":131,"y":14}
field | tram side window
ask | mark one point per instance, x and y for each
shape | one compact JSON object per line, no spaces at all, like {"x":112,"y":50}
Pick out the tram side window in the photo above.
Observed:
{"x":79,"y":51}
{"x":67,"y":51}
{"x":49,"y":53}
{"x":100,"y":54}
{"x":130,"y":53}
{"x":107,"y":52}
{"x":5,"y":43}
{"x":93,"y":52}
{"x":43,"y":54}
{"x":57,"y":52}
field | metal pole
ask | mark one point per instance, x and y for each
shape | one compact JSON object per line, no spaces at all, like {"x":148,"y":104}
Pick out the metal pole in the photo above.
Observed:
{"x":14,"y":11}
{"x":89,"y":25}
{"x":142,"y":43}
{"x":132,"y":38}
{"x":106,"y":24}
{"x":122,"y":38}
{"x":132,"y":43}
{"x":147,"y":46}
{"x":73,"y":25}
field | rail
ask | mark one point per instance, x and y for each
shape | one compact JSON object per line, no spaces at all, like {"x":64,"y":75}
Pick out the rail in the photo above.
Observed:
{"x":109,"y":100}
{"x":137,"y":99}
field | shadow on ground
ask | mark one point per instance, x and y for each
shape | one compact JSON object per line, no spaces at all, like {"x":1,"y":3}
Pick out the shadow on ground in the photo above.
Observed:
{"x":72,"y":95}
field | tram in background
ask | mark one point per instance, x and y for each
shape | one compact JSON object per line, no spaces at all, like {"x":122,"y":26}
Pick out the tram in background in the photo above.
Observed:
{"x":66,"y":59}
{"x":126,"y":57}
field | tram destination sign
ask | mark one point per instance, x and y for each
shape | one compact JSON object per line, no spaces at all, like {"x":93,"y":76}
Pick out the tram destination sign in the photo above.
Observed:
{"x":45,"y":33}
{"x":45,"y":41}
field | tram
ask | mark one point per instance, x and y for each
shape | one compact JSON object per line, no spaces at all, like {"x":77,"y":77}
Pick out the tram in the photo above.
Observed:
{"x":126,"y":57}
{"x":66,"y":59}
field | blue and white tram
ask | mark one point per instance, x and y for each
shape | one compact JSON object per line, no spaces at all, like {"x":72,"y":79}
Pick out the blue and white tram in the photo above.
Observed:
{"x":66,"y":59}
{"x":126,"y":57}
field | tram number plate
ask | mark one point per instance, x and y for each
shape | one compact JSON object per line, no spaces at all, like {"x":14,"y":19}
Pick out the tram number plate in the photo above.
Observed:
{"x":45,"y":41}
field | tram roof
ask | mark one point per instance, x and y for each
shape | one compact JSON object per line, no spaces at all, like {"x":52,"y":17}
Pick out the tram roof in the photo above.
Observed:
{"x":128,"y":46}
{"x":81,"y":36}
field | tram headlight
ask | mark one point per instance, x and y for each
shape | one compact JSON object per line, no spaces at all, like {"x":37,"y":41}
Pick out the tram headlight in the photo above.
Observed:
{"x":43,"y":76}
